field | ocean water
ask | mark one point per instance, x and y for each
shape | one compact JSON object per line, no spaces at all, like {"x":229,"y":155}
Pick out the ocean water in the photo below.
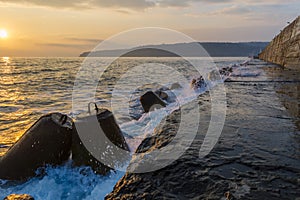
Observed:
{"x":32,"y":87}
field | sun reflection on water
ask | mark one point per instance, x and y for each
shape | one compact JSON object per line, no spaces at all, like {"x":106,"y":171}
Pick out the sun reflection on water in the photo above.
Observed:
{"x":11,"y":110}
{"x":6,"y":60}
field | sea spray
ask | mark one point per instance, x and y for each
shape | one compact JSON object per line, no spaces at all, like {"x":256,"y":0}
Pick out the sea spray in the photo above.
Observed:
{"x":64,"y":182}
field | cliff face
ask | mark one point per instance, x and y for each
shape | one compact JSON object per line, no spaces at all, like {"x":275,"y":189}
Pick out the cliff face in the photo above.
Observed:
{"x":285,"y":47}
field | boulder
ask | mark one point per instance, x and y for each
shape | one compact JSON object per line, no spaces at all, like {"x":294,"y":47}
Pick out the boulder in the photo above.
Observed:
{"x":166,"y":94}
{"x":175,"y":86}
{"x":103,"y":136}
{"x":225,"y":71}
{"x":198,"y":83}
{"x":163,"y":95}
{"x":150,"y":101}
{"x":46,"y":142}
{"x":19,"y":197}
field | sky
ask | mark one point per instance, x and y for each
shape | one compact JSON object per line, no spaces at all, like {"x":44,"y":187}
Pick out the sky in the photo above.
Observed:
{"x":69,"y":27}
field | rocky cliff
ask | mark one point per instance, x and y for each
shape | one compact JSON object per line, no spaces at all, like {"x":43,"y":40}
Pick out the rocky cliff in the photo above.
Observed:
{"x":285,"y":47}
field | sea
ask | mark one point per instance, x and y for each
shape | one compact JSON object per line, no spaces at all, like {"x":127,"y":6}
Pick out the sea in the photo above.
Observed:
{"x":33,"y":87}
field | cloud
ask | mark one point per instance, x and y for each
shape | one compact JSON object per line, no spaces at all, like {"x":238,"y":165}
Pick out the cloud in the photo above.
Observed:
{"x":135,"y":4}
{"x":86,"y":4}
{"x":234,"y":10}
{"x":234,"y":34}
{"x":186,"y":3}
{"x":123,"y":11}
{"x":73,"y":43}
{"x":65,"y":45}
{"x":126,"y":6}
{"x":129,"y":4}
{"x":50,"y":3}
{"x":258,"y":9}
{"x":83,"y":40}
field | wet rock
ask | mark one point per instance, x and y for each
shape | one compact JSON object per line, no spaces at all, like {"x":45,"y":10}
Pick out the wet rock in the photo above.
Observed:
{"x":47,"y":142}
{"x":98,"y":136}
{"x":163,"y":95}
{"x":175,"y":86}
{"x":166,"y":94}
{"x":151,"y":101}
{"x":214,"y":75}
{"x":225,"y":71}
{"x":255,"y":157}
{"x":136,"y":109}
{"x":176,"y":181}
{"x":198,"y":83}
{"x":227,"y":80}
{"x":19,"y":197}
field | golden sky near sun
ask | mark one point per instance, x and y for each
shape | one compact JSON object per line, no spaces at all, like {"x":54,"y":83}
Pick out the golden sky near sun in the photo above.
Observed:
{"x":67,"y":29}
{"x":3,"y":34}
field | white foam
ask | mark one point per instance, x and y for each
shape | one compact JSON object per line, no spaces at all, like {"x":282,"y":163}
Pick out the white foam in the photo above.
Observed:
{"x":145,"y":126}
{"x":65,"y":182}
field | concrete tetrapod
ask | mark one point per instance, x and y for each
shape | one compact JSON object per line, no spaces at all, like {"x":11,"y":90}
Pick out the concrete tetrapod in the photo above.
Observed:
{"x":46,"y":142}
{"x":98,"y":136}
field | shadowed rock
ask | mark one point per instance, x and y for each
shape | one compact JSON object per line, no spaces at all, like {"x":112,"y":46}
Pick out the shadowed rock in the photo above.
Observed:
{"x":175,"y":86}
{"x":163,"y":95}
{"x":225,"y":71}
{"x":48,"y":141}
{"x":166,"y":94}
{"x":103,"y":136}
{"x":150,"y":101}
{"x":198,"y":83}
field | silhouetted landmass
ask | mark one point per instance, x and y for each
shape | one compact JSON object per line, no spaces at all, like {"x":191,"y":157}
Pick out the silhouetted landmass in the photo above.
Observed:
{"x":214,"y":49}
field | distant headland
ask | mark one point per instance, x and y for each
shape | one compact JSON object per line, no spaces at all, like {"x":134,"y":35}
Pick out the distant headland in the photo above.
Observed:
{"x":214,"y":49}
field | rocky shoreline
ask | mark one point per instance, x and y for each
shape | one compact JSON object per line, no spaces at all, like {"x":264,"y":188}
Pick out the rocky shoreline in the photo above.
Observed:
{"x":257,"y":156}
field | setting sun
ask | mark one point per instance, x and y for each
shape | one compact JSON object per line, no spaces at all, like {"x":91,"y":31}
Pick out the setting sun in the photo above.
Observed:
{"x":3,"y":34}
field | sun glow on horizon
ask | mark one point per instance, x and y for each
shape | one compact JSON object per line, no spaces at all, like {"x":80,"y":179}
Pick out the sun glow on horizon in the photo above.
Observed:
{"x":3,"y":34}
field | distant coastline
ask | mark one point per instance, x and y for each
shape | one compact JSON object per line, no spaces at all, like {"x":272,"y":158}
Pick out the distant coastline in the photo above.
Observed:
{"x":214,"y":49}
